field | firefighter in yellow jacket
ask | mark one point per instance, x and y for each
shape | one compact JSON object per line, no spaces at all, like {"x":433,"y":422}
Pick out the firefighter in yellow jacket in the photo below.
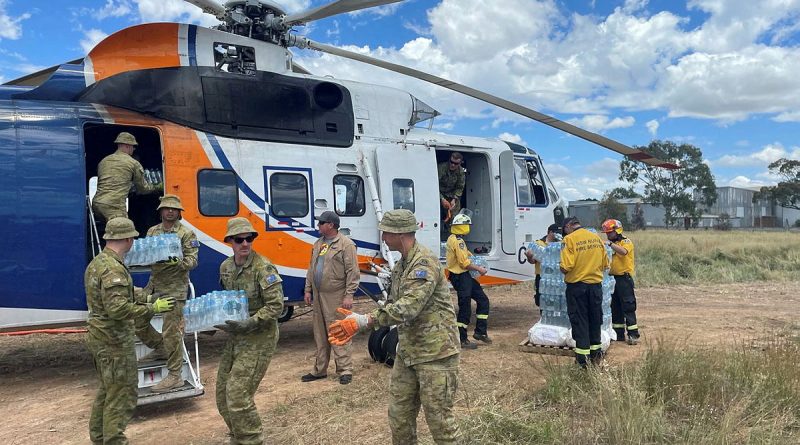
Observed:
{"x":459,"y":264}
{"x":583,"y":261}
{"x":623,"y":300}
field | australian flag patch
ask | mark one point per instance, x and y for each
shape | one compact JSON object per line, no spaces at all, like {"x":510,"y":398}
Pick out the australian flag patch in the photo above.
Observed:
{"x":194,"y":243}
{"x":420,"y":274}
{"x":272,"y":279}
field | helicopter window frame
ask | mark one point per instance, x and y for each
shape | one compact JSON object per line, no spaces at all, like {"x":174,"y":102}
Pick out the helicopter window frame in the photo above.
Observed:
{"x":204,"y":193}
{"x":359,"y":196}
{"x":400,"y":197}
{"x":277,"y":200}
{"x":521,"y":168}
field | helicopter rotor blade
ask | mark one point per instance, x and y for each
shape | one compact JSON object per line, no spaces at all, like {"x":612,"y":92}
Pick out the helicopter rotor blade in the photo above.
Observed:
{"x":210,"y":7}
{"x":337,"y":7}
{"x":603,"y":141}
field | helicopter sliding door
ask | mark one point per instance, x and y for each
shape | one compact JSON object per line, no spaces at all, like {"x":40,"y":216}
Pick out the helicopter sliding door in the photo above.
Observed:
{"x":407,"y":179}
{"x":508,"y":203}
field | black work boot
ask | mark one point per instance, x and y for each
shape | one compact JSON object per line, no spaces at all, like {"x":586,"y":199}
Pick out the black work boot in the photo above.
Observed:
{"x":596,"y":357}
{"x":482,"y":337}
{"x":633,"y":337}
{"x":620,"y":334}
{"x":581,"y":361}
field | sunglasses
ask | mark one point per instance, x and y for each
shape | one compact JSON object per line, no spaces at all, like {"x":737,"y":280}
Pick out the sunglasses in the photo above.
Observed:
{"x":455,"y":163}
{"x":241,"y":239}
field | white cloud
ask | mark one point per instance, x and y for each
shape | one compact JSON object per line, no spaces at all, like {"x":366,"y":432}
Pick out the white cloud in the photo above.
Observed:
{"x":381,"y":11}
{"x":652,"y":127}
{"x":599,"y":123}
{"x":515,"y":138}
{"x":763,"y":157}
{"x":113,"y":8}
{"x":11,"y":27}
{"x":91,"y":38}
{"x":173,"y":10}
{"x":745,"y":182}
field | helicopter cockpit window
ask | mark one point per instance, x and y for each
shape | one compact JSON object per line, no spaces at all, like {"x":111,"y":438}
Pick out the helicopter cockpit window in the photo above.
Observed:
{"x":288,"y":194}
{"x":219,"y":192}
{"x":348,"y":195}
{"x":236,"y":59}
{"x":530,"y":188}
{"x":403,"y":194}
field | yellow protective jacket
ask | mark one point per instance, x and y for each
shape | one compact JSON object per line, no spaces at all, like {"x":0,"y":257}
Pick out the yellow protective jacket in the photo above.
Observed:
{"x":457,"y":255}
{"x":622,"y":264}
{"x":583,"y":257}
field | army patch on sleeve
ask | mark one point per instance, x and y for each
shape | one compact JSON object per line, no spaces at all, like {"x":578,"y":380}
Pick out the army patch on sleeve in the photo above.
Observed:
{"x":194,"y":243}
{"x":421,"y":274}
{"x":271,"y":279}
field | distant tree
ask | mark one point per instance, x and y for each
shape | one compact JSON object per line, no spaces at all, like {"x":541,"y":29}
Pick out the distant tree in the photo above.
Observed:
{"x":610,"y":208}
{"x":589,"y":199}
{"x":638,"y":222}
{"x":623,"y":193}
{"x":787,"y":192}
{"x":723,"y":222}
{"x":674,"y":190}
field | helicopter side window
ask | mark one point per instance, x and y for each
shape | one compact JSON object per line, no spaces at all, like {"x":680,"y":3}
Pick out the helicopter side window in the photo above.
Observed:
{"x":236,"y":59}
{"x":219,"y":192}
{"x":288,"y":195}
{"x":348,"y":195}
{"x":403,"y":194}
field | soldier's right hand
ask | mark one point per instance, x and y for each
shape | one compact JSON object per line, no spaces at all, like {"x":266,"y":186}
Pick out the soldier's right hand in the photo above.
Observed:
{"x":163,"y":304}
{"x":446,"y":204}
{"x":307,"y":298}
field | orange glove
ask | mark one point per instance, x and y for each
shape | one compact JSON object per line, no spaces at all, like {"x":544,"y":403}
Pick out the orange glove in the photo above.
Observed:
{"x":446,"y":204}
{"x":342,"y":331}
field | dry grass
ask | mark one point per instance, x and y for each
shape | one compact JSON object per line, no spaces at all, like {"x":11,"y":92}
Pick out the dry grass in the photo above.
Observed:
{"x":694,"y":257}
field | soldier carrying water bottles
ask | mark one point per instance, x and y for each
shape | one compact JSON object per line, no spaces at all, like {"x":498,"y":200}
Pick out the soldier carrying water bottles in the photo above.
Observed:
{"x":169,"y":278}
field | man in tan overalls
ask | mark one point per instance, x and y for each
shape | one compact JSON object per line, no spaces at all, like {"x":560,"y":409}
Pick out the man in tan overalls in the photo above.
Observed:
{"x":331,"y":281}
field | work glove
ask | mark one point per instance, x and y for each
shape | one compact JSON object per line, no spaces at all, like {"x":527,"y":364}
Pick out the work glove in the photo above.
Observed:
{"x":163,"y":304}
{"x":238,"y":327}
{"x":342,"y":331}
{"x":172,"y":261}
{"x":446,"y":204}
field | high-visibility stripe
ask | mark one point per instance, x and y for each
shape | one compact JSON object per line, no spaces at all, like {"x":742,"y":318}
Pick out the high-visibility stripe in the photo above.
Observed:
{"x":618,"y":325}
{"x":633,"y":327}
{"x":482,"y":316}
{"x":595,"y":347}
{"x":461,"y":325}
{"x":582,"y":351}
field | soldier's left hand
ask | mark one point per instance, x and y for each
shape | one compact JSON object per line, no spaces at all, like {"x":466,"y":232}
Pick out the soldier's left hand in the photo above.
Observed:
{"x":236,"y":327}
{"x":173,"y":261}
{"x":347,"y":302}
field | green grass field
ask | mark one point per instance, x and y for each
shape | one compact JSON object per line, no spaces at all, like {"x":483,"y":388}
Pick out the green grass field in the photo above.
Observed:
{"x":692,"y":257}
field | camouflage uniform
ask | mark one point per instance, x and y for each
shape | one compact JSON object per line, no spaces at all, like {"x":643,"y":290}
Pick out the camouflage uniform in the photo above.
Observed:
{"x":340,"y":278}
{"x":426,"y":370}
{"x":246,"y":357}
{"x":110,"y":338}
{"x":451,"y":184}
{"x":170,"y":281}
{"x":115,"y":173}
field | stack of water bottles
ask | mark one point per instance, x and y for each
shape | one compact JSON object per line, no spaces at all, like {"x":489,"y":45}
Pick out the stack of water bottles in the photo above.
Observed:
{"x":152,"y":249}
{"x":153,"y":177}
{"x":553,"y":329}
{"x":213,"y":308}
{"x":478,"y":260}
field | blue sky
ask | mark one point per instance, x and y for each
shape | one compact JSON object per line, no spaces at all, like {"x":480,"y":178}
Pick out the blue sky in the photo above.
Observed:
{"x":719,"y":74}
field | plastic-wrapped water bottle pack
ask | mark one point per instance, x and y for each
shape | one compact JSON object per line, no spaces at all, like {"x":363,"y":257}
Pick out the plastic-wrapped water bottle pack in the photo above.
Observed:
{"x":152,"y":249}
{"x":553,"y":329}
{"x":201,"y":314}
{"x":478,"y":260}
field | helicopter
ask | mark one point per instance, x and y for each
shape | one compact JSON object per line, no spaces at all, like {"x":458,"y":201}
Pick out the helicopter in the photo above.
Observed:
{"x":237,"y":128}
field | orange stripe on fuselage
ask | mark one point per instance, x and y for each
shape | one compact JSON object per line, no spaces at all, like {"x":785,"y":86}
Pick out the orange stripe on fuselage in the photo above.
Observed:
{"x":152,"y":45}
{"x":183,"y":158}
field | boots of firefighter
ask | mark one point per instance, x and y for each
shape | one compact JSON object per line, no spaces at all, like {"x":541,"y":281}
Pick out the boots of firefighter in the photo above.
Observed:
{"x":633,"y":336}
{"x":465,"y":343}
{"x":620,"y":331}
{"x":171,"y":381}
{"x":155,"y":355}
{"x":596,"y":356}
{"x":582,"y":360}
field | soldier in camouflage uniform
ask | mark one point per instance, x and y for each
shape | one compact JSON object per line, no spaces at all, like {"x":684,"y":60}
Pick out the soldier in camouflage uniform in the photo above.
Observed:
{"x":426,"y":370}
{"x":451,"y":184}
{"x":115,"y":174}
{"x":170,"y":279}
{"x":110,"y":337}
{"x":252,"y":343}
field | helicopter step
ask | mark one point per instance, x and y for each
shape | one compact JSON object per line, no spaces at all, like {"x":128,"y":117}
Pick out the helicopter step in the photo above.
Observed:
{"x":151,"y":373}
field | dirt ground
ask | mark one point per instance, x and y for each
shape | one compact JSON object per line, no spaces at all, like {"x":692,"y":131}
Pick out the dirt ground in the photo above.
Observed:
{"x":47,"y":382}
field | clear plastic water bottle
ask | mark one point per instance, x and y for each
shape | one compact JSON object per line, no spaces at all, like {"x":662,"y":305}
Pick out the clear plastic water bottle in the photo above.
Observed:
{"x":242,"y":295}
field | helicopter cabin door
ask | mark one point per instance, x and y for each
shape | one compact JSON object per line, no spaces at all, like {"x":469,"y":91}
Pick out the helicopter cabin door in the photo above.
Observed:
{"x":408,"y":179}
{"x":508,"y":203}
{"x":288,"y":192}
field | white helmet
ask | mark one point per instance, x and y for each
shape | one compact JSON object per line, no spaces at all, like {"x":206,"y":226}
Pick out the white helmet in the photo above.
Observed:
{"x":461,"y":219}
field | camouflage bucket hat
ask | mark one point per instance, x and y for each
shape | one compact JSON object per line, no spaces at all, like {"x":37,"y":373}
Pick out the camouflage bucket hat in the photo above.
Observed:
{"x":120,"y":228}
{"x":238,"y":226}
{"x":170,"y":201}
{"x":398,"y":221}
{"x":126,"y":138}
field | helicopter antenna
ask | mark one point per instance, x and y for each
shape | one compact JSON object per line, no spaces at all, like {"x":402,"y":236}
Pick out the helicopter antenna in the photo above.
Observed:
{"x":632,"y":153}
